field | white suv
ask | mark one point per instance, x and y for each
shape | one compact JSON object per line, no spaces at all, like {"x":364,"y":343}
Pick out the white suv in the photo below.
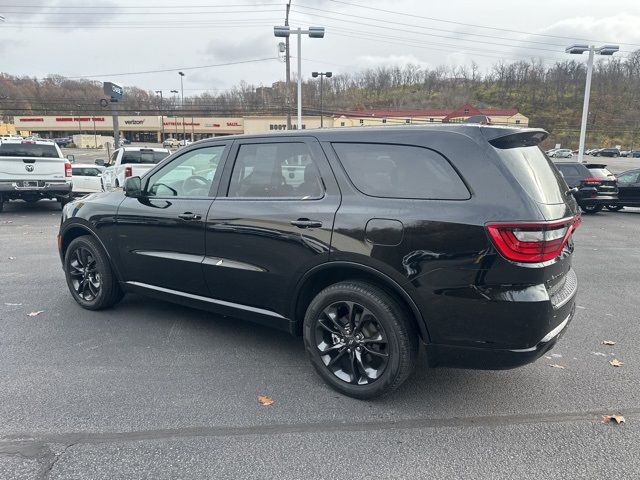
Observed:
{"x":32,"y":170}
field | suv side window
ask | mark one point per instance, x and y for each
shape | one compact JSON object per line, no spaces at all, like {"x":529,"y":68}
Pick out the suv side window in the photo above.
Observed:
{"x":400,"y":171}
{"x":568,"y":170}
{"x":275,"y":170}
{"x":190,"y":175}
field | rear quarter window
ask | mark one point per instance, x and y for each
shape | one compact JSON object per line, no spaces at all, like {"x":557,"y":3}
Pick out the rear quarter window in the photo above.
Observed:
{"x":602,"y":173}
{"x":400,"y":171}
{"x":143,"y":156}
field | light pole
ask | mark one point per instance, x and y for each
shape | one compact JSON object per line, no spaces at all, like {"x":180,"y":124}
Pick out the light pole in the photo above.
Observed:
{"x":313,"y":32}
{"x":159,"y":92}
{"x":579,"y":49}
{"x":175,"y":118}
{"x":321,"y":75}
{"x":184,"y":135}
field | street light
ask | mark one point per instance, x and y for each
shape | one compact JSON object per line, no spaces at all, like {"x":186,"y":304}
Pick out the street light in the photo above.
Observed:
{"x":579,"y":49}
{"x":321,"y":75}
{"x":175,"y":119}
{"x":184,"y":135}
{"x":159,"y":92}
{"x":313,"y":32}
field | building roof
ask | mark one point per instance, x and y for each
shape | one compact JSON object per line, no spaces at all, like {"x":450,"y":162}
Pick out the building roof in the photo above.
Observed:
{"x":447,"y":113}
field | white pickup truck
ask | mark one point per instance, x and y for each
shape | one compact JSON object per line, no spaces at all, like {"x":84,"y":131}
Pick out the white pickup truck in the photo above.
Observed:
{"x":31,"y":170}
{"x":130,"y":162}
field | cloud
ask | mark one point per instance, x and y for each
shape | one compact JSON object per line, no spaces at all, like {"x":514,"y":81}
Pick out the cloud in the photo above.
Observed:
{"x":242,"y":48}
{"x":371,"y":61}
{"x":73,"y":14}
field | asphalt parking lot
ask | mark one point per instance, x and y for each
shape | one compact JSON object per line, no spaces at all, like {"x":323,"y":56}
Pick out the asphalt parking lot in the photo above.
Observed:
{"x":154,"y":390}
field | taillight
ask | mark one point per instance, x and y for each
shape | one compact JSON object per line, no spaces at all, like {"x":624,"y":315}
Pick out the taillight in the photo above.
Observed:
{"x":67,"y":169}
{"x":592,"y":180}
{"x":128,"y":172}
{"x":532,"y":242}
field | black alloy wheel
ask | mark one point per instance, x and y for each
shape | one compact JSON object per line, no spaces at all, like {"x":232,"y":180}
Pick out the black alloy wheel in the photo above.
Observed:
{"x":352,"y":343}
{"x":614,"y":208}
{"x":359,"y":339}
{"x":89,"y":276}
{"x":85,"y":278}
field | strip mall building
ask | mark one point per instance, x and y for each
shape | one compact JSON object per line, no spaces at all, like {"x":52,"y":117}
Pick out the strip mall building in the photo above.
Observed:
{"x":156,"y":128}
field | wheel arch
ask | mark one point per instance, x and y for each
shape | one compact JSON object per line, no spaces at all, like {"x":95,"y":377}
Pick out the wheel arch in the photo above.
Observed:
{"x":77,"y":230}
{"x":329,"y":273}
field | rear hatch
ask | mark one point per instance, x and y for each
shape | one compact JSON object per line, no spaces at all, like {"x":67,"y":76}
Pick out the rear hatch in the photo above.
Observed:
{"x":605,"y":181}
{"x":31,"y":161}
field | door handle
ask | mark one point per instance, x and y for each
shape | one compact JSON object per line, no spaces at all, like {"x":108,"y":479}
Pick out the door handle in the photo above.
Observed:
{"x":306,"y":223}
{"x":189,"y":216}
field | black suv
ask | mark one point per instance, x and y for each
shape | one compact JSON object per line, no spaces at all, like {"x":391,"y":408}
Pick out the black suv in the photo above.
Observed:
{"x":593,"y":185}
{"x":367,"y":242}
{"x":607,"y":152}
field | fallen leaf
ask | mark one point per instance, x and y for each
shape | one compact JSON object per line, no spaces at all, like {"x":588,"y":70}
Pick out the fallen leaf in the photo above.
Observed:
{"x":264,"y":400}
{"x":608,"y":342}
{"x":616,"y":418}
{"x":555,"y":365}
{"x":615,"y":362}
{"x":35,"y":314}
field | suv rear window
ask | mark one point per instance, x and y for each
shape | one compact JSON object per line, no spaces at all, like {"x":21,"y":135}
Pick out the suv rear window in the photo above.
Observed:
{"x":602,"y":173}
{"x":143,"y":156}
{"x":534,"y":172}
{"x":28,"y":150}
{"x":400,"y":171}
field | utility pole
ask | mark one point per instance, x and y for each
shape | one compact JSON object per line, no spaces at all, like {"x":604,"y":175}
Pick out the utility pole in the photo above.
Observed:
{"x":161,"y":114}
{"x":184,"y":135}
{"x":288,"y":74}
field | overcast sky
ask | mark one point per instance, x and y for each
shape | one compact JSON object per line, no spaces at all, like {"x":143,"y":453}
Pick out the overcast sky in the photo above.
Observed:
{"x":101,"y":38}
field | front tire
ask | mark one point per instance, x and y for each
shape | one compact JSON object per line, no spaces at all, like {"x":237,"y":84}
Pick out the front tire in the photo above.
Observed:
{"x":89,"y":275}
{"x":359,"y":339}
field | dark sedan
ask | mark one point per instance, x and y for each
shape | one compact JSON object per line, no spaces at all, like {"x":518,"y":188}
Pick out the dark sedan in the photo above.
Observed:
{"x":595,"y":186}
{"x":628,"y":190}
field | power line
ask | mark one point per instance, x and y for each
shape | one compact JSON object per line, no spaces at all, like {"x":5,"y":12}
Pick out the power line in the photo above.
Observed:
{"x":412,"y":15}
{"x":122,"y":74}
{"x":151,"y":13}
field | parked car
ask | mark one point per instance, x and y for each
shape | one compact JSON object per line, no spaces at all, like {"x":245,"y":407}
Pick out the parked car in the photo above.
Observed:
{"x":628,"y":190}
{"x":63,"y":141}
{"x":607,"y":152}
{"x":625,"y":153}
{"x":457,"y":236}
{"x":87,"y":179}
{"x":129,"y":162}
{"x":124,"y":141}
{"x":592,"y":151}
{"x":634,"y":153}
{"x":33,"y":170}
{"x":562,"y":153}
{"x":593,"y":189}
{"x":171,"y":143}
{"x":551,"y":151}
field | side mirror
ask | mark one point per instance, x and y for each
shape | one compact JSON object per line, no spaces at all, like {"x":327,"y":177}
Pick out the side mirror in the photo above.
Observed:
{"x":133,"y":187}
{"x":99,"y":162}
{"x":71,"y":158}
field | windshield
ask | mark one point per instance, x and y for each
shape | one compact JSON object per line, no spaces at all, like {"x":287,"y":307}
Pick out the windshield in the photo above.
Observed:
{"x":143,"y":156}
{"x":28,"y":150}
{"x":536,"y":174}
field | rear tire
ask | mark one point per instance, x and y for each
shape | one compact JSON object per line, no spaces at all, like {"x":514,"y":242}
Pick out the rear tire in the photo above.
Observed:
{"x":359,"y":339}
{"x":614,"y":208}
{"x":589,"y":209}
{"x":89,"y":275}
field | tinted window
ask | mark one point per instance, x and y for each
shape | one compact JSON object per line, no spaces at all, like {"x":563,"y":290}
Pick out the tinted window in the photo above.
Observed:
{"x":569,"y":170}
{"x":280,"y":170}
{"x":400,"y":171}
{"x":85,"y":172}
{"x":189,"y":175}
{"x":534,"y":172}
{"x":28,"y":150}
{"x":143,"y":156}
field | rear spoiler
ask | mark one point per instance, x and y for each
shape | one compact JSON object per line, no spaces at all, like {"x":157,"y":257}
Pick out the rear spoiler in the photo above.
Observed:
{"x":595,"y":165}
{"x":507,"y":138}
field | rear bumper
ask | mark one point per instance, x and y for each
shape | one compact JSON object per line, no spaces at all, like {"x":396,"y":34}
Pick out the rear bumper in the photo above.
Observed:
{"x":495,"y":359}
{"x":600,"y":200}
{"x":13,"y":189}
